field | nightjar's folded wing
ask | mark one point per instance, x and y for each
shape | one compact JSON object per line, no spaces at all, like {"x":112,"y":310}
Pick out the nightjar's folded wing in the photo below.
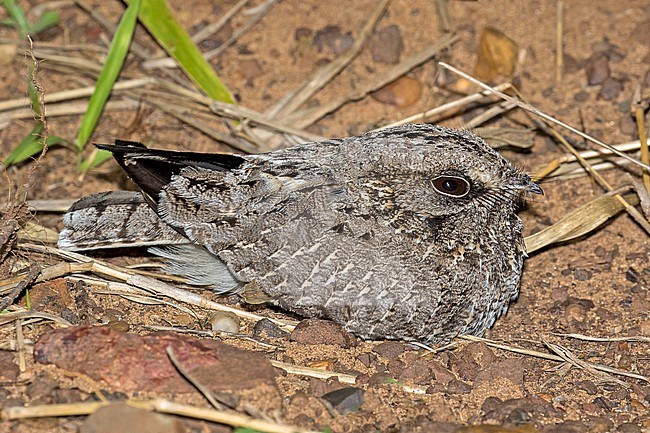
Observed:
{"x":287,"y":224}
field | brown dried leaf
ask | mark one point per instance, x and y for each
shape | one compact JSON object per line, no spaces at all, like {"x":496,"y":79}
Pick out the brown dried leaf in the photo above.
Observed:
{"x":497,"y":56}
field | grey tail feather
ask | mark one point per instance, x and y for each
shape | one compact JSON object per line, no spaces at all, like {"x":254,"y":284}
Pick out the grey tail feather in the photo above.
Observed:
{"x":199,"y":266}
{"x":112,"y":220}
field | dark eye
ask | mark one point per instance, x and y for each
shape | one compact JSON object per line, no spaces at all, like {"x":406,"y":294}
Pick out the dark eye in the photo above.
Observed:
{"x":451,"y":185}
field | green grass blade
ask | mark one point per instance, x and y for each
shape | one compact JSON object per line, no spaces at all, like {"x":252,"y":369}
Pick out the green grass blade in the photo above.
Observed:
{"x":17,"y":16}
{"x":111,"y":70}
{"x":97,"y":157}
{"x":32,"y":145}
{"x":29,"y":146}
{"x":158,"y":19}
{"x":47,"y":20}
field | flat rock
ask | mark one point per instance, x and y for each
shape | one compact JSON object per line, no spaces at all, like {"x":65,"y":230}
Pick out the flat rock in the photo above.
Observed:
{"x":129,"y":363}
{"x":120,"y":417}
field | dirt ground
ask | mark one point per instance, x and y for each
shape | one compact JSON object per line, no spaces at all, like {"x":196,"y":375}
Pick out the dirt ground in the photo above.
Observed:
{"x":595,"y":286}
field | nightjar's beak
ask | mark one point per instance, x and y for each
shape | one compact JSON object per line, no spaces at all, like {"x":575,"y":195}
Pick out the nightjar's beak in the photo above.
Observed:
{"x":527,"y":184}
{"x":532,"y":187}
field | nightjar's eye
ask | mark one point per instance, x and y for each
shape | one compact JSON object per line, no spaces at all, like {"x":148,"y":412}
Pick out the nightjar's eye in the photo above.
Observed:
{"x":452,"y":186}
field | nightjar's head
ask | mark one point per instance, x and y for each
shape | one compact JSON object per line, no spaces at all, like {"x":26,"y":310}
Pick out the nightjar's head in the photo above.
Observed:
{"x":434,"y":172}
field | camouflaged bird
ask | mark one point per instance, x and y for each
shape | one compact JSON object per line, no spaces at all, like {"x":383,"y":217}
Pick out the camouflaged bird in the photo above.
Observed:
{"x":405,"y":233}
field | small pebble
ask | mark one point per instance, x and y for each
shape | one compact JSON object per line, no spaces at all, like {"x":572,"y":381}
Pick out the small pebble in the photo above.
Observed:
{"x":266,"y":328}
{"x":597,"y":69}
{"x":332,"y":38}
{"x":575,"y":313}
{"x":582,"y":274}
{"x":345,"y":400}
{"x":402,"y":92}
{"x":224,"y":321}
{"x":610,"y":89}
{"x":389,"y":349}
{"x":387,"y":45}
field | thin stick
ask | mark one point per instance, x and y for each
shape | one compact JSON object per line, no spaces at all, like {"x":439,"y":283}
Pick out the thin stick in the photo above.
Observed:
{"x":193,"y":380}
{"x":342,"y":377}
{"x":210,"y":29}
{"x":569,"y":357}
{"x":66,"y":109}
{"x":20,"y":346}
{"x":290,"y":102}
{"x":238,"y":112}
{"x":28,"y":279}
{"x":76,"y":93}
{"x":448,"y":108}
{"x":639,"y":114}
{"x":488,"y":114}
{"x":442,"y":9}
{"x":235,"y":143}
{"x":559,"y":38}
{"x":303,"y":121}
{"x":544,"y":116}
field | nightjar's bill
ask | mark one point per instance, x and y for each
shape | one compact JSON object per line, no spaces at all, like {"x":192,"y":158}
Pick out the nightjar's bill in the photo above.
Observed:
{"x":404,"y":233}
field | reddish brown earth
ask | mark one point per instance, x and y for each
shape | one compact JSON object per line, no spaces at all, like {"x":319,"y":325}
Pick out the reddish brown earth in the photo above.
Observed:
{"x":596,"y":285}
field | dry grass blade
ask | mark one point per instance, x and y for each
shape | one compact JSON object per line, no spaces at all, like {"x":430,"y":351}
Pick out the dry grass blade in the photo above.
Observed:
{"x":289,"y":103}
{"x":544,"y":116}
{"x":16,"y":315}
{"x":489,"y":114}
{"x":569,"y":357}
{"x":600,"y":159}
{"x":632,"y":338}
{"x":639,"y":115}
{"x":552,"y":357}
{"x":238,"y":112}
{"x":559,"y":45}
{"x":66,"y":109}
{"x":579,"y":222}
{"x":75,"y":94}
{"x":506,"y":137}
{"x":51,"y":205}
{"x":631,"y":210}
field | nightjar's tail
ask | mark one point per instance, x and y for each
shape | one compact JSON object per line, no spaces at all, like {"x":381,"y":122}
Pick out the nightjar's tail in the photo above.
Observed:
{"x":128,"y":219}
{"x":112,"y":220}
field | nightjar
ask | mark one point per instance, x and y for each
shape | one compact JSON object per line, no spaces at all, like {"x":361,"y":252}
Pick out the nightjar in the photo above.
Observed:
{"x":405,"y":233}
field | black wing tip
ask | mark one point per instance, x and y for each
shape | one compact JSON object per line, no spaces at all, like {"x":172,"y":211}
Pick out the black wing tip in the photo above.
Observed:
{"x":152,"y":169}
{"x":121,"y":146}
